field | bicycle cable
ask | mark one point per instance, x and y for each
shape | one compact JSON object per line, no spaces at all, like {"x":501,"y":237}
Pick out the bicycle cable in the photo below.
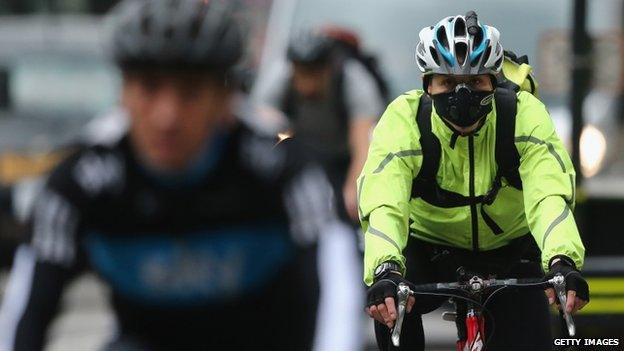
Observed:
{"x":482,"y":305}
{"x":524,"y":285}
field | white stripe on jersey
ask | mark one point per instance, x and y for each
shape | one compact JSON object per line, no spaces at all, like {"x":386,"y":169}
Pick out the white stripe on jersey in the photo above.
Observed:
{"x":16,"y":296}
{"x":308,"y":200}
{"x":55,"y":221}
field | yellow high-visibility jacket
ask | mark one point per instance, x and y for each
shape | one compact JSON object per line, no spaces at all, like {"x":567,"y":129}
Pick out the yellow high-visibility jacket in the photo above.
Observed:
{"x":389,"y":215}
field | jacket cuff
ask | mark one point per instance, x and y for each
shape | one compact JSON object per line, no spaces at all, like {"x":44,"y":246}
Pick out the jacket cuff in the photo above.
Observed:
{"x":563,"y":259}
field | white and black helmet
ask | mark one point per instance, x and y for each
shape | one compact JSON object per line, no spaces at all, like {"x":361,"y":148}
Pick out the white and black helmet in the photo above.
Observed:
{"x":195,"y":33}
{"x":459,"y":45}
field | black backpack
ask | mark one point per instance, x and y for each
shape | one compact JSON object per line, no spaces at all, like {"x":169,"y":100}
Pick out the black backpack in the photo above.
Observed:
{"x":516,"y":77}
{"x":425,"y":185}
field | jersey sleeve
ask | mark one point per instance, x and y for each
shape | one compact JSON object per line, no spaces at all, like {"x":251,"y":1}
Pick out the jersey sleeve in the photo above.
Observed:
{"x":548,"y":181}
{"x":43,"y":265}
{"x":361,"y":92}
{"x":30,"y":301}
{"x":385,"y":183}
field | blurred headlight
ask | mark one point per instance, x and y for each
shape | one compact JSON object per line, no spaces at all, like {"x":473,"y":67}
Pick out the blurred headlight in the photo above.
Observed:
{"x":283,"y":136}
{"x":593,"y":146}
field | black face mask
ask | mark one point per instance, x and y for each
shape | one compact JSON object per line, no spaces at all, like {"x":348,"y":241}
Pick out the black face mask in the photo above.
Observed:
{"x":463,"y":107}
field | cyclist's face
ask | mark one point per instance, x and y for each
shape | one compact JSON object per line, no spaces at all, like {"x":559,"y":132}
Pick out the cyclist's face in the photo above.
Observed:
{"x":443,"y":83}
{"x":172,"y":115}
{"x":311,"y":81}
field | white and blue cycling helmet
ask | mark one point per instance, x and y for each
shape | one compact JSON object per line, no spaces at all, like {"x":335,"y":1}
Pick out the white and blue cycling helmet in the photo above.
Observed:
{"x":459,"y":45}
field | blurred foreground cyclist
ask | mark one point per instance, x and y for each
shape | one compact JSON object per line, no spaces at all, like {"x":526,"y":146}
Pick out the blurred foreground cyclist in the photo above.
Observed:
{"x":205,"y":231}
{"x":468,"y":173}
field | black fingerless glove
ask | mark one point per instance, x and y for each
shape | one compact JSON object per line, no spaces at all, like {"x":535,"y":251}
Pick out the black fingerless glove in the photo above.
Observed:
{"x":385,"y":286}
{"x":573,"y":279}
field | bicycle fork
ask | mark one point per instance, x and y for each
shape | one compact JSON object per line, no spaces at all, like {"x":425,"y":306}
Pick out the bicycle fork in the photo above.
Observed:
{"x":475,"y":328}
{"x":470,"y":327}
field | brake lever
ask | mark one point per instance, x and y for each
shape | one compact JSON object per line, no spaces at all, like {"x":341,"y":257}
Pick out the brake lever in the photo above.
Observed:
{"x":558,"y":282}
{"x":403,"y":293}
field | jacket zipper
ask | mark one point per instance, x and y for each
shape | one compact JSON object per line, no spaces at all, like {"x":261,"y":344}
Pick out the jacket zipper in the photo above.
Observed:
{"x":473,"y":206}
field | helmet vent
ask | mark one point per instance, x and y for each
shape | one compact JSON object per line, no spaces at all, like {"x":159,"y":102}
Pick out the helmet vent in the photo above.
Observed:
{"x":434,"y":54}
{"x":441,"y":34}
{"x":421,"y":49}
{"x":460,"y":52}
{"x":422,"y":62}
{"x":476,"y":60}
{"x":478,"y":38}
{"x":460,"y":27}
{"x":498,"y":62}
{"x":486,"y":55}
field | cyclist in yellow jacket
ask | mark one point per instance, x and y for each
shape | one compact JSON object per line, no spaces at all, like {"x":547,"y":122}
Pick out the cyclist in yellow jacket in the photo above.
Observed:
{"x":434,"y":193}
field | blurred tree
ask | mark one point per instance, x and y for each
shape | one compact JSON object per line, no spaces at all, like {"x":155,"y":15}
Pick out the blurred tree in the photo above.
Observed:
{"x":62,"y":6}
{"x":101,"y":6}
{"x":19,"y":6}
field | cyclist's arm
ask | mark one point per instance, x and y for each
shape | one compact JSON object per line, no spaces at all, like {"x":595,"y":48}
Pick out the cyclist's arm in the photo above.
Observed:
{"x":42,"y":266}
{"x":548,"y":180}
{"x":31,"y":301}
{"x":384,"y":186}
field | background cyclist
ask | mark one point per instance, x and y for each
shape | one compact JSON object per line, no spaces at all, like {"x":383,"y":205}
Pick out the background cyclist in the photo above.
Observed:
{"x":331,"y":100}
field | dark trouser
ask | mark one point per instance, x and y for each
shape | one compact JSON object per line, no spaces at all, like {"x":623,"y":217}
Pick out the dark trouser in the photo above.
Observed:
{"x":279,"y":317}
{"x":522,"y":320}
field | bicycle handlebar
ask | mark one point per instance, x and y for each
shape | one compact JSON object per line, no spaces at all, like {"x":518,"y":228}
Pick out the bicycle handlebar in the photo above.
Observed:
{"x":404,"y":292}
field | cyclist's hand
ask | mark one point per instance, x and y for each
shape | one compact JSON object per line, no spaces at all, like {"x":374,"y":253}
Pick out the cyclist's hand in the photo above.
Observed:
{"x":576,"y":287}
{"x":381,"y":298}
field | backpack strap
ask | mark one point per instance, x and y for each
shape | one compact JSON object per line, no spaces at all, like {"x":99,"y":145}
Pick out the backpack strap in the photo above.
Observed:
{"x":506,"y":154}
{"x":430,"y":146}
{"x":429,"y":143}
{"x":341,"y":106}
{"x":425,"y":185}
